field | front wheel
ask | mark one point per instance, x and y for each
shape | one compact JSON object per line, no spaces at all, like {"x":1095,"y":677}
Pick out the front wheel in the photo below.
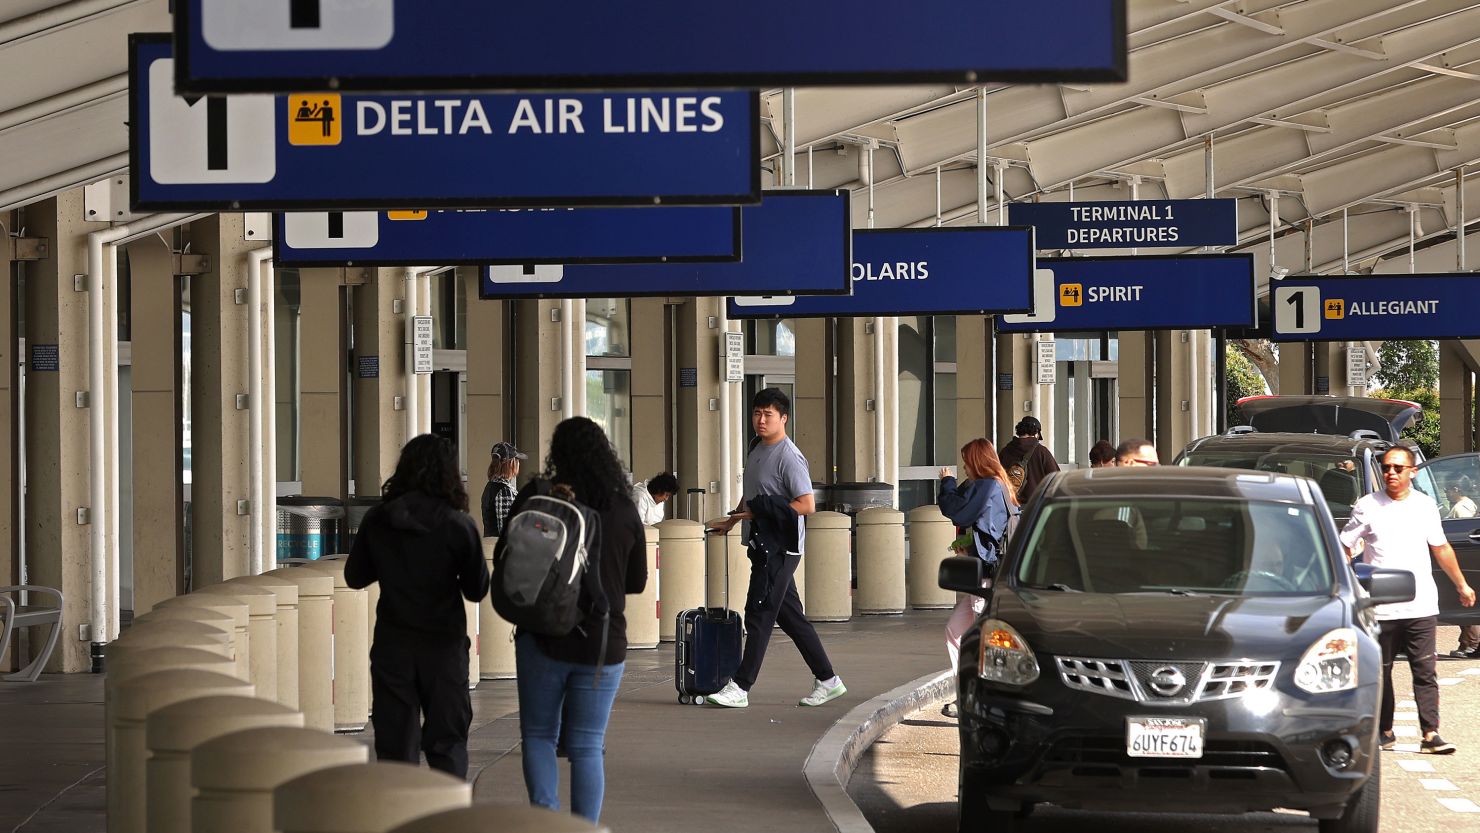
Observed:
{"x":1361,"y":811}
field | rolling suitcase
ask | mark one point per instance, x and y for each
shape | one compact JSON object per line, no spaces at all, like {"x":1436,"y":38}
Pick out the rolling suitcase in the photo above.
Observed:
{"x":706,"y":650}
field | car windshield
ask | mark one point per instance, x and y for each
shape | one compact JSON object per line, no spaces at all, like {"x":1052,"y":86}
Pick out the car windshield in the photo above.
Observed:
{"x":1221,"y":546}
{"x":1338,"y":475}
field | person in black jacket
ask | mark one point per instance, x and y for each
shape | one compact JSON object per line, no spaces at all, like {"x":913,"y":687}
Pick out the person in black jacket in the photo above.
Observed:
{"x":423,"y":548}
{"x":569,"y":678}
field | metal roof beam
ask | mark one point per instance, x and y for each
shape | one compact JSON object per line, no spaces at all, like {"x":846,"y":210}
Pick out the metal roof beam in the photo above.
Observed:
{"x":1245,"y":20}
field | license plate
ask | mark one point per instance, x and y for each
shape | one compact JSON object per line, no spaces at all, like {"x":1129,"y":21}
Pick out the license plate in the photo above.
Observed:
{"x":1164,"y":737}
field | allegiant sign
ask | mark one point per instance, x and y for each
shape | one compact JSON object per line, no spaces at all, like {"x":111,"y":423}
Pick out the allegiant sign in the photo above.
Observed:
{"x":1375,"y":307}
{"x":1127,"y":225}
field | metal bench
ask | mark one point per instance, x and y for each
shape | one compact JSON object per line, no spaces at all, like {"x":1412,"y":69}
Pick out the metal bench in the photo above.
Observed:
{"x":14,"y":615}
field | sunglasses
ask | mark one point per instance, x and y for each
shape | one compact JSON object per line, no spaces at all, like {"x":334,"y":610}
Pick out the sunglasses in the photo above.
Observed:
{"x":1394,"y":467}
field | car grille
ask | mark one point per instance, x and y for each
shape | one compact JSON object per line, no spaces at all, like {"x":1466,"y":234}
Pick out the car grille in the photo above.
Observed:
{"x":1110,"y":751}
{"x":1170,"y":683}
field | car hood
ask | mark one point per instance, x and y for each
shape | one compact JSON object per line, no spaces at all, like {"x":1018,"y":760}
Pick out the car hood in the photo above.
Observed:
{"x":1159,"y":626}
{"x":1340,"y":415}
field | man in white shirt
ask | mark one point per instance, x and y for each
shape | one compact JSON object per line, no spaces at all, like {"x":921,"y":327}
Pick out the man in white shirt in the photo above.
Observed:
{"x":1401,"y":530}
{"x":652,"y":494}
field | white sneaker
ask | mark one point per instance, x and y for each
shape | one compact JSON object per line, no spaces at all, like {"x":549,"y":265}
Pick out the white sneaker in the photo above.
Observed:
{"x":822,"y":694}
{"x":731,"y":697}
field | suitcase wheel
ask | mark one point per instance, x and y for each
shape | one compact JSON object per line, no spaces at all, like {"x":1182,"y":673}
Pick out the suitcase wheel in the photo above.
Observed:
{"x":685,"y":699}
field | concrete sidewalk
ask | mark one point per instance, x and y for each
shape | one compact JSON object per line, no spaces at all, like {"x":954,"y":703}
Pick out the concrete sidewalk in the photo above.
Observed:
{"x":669,"y":767}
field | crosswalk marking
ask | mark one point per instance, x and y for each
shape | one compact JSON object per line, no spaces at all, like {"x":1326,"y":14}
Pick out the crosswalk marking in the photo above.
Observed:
{"x":1460,"y":805}
{"x":1416,"y":766}
{"x":1438,"y":784}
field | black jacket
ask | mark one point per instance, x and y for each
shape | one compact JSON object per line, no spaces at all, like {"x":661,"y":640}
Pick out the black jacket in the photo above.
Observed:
{"x":427,"y":557}
{"x":773,"y":534}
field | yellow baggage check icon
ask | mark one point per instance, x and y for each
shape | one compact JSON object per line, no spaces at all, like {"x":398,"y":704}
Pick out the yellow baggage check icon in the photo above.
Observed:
{"x":405,"y":215}
{"x":1335,"y":309}
{"x":314,"y":119}
{"x":1071,"y":295}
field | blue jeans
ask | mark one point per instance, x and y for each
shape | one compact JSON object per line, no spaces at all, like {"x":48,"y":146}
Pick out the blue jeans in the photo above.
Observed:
{"x":548,"y":690}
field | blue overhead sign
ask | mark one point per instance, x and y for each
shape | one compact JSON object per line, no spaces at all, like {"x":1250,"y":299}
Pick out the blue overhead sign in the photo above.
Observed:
{"x":1131,"y":224}
{"x":794,"y":241}
{"x":327,"y":151}
{"x":1150,"y":292}
{"x":938,"y":271}
{"x":508,"y":235}
{"x":1375,"y":307}
{"x":289,"y":45}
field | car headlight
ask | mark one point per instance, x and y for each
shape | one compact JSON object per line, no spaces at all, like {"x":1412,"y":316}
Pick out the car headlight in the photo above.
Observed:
{"x":1005,"y":656}
{"x":1330,"y":664}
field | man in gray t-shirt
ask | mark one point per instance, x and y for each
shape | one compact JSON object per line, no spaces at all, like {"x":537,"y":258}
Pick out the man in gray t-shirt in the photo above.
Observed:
{"x":776,"y":473}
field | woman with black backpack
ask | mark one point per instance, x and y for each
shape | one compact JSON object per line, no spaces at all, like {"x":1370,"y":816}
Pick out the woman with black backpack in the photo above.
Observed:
{"x":571,"y":677}
{"x":980,"y":507}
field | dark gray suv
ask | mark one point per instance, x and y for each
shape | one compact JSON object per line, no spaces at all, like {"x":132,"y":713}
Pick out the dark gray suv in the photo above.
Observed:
{"x":1176,"y":639}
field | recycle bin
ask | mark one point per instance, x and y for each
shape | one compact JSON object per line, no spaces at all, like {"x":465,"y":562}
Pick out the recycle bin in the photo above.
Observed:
{"x":308,"y":527}
{"x":354,"y":514}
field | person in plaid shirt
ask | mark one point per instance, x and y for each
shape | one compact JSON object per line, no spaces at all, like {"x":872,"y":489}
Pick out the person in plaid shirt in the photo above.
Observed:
{"x":498,"y":495}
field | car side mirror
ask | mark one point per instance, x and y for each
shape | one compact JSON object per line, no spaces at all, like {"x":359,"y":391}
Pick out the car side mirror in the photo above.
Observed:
{"x":962,"y":573}
{"x":1386,"y":586}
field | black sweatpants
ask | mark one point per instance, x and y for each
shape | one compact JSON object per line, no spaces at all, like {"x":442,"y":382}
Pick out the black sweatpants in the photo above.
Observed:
{"x":419,"y":686}
{"x":781,"y":606}
{"x":1416,"y":638}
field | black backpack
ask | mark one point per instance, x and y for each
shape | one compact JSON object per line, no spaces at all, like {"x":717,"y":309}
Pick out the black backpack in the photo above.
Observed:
{"x":546,"y":566}
{"x":999,"y":545}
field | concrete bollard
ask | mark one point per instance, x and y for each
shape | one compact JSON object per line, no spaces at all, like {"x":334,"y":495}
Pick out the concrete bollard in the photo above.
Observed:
{"x":262,"y":626}
{"x":372,"y":608}
{"x":286,"y":594}
{"x":234,"y":775}
{"x":365,"y":798}
{"x":213,"y":620}
{"x":495,"y":635}
{"x":173,"y":732}
{"x":475,"y":671}
{"x":133,"y":700}
{"x":315,"y":644}
{"x":351,"y":650}
{"x":501,"y":818}
{"x":828,"y":565}
{"x":642,"y":609}
{"x":241,"y":617}
{"x":716,"y":549}
{"x":681,"y":573}
{"x":880,"y":561}
{"x":931,"y":534}
{"x":189,"y":633}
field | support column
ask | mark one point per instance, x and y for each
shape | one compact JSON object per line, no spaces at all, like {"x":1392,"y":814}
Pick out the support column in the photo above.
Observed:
{"x":811,"y":422}
{"x":487,"y":419}
{"x":10,"y":572}
{"x":1175,"y":376}
{"x":379,"y":373}
{"x":158,"y":436}
{"x":1295,"y":375}
{"x":58,"y":548}
{"x":975,"y":381}
{"x":537,"y":390}
{"x":855,"y":417}
{"x":649,"y":384}
{"x":1456,"y":401}
{"x":1135,"y":386}
{"x":219,"y":430}
{"x":1004,"y":380}
{"x":698,"y":426}
{"x":324,"y":459}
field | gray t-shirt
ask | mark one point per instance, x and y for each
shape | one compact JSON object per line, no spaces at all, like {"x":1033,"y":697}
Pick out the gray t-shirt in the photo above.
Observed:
{"x":778,"y":469}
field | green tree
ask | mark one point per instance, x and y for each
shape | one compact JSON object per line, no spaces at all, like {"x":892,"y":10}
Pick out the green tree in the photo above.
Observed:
{"x":1410,"y":370}
{"x":1243,"y":380}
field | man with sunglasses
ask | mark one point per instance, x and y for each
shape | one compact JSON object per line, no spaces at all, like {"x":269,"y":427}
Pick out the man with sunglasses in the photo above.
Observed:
{"x":1136,"y":452}
{"x":1401,"y":530}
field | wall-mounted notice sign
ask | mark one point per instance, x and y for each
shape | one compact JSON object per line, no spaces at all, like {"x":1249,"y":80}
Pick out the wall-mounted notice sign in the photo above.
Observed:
{"x":794,"y":241}
{"x":1375,"y":307}
{"x":284,"y":45}
{"x":1046,"y":362}
{"x":1126,"y":225}
{"x":1150,"y":292}
{"x":513,"y":235}
{"x":421,"y":334}
{"x":936,"y":271}
{"x":328,"y":151}
{"x":734,"y":357}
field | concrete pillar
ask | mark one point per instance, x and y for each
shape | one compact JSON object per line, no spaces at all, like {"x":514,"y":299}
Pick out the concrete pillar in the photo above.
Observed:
{"x":680,"y":572}
{"x":379,"y":373}
{"x":158,"y":436}
{"x":1003,"y":379}
{"x":719,"y":549}
{"x":537,"y":403}
{"x":828,"y":562}
{"x":502,"y":818}
{"x":220,"y":431}
{"x":495,"y":634}
{"x":285,"y":595}
{"x":975,"y":380}
{"x":1017,"y":359}
{"x":234,"y":776}
{"x":351,"y":651}
{"x":315,"y":644}
{"x":649,"y":390}
{"x":174,"y":731}
{"x":1175,"y":369}
{"x":10,"y":572}
{"x":1295,"y":375}
{"x":324,"y":460}
{"x":642,"y":609}
{"x":881,"y":561}
{"x":487,"y":420}
{"x":58,"y":548}
{"x":930,"y":536}
{"x":811,"y":422}
{"x":365,"y":798}
{"x":857,"y":398}
{"x":1456,"y":401}
{"x":698,"y":384}
{"x":1135,"y":386}
{"x":262,"y":629}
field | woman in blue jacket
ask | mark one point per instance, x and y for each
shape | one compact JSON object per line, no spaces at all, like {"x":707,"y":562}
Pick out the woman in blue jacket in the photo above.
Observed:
{"x":982,"y":504}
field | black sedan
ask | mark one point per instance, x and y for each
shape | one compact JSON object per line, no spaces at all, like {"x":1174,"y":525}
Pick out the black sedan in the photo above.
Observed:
{"x":1178,"y":639}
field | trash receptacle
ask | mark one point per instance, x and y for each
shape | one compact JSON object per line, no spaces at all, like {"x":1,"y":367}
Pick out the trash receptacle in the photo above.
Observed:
{"x":354,"y":515}
{"x":852,"y":498}
{"x":308,"y":527}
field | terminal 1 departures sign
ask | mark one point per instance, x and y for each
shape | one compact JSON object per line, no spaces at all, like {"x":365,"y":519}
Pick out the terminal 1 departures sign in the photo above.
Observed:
{"x":937,"y":271}
{"x":1130,"y":224}
{"x":288,"y":45}
{"x":1375,"y":307}
{"x":328,"y":151}
{"x":1147,"y":292}
{"x":507,"y":236}
{"x":793,"y":242}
